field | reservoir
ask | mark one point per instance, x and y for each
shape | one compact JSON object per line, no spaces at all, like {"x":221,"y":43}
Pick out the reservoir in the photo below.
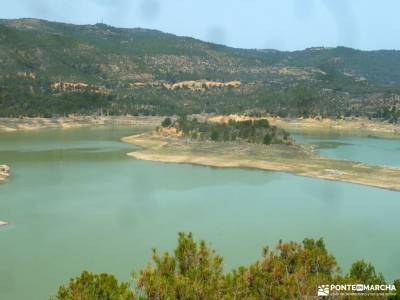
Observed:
{"x":76,"y":202}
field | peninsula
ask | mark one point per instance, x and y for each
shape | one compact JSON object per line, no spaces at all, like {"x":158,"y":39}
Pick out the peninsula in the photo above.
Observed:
{"x":174,"y":144}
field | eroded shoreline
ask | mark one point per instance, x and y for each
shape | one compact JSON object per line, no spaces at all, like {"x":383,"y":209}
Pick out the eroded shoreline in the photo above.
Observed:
{"x":15,"y":124}
{"x":349,"y":126}
{"x":296,"y":159}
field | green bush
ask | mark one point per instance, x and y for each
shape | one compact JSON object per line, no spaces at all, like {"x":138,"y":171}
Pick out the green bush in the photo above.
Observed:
{"x":90,"y":286}
{"x":194,"y":271}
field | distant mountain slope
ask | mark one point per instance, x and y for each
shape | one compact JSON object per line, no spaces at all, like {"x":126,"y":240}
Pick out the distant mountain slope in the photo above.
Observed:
{"x":99,"y":51}
{"x":377,"y":66}
{"x":49,"y":68}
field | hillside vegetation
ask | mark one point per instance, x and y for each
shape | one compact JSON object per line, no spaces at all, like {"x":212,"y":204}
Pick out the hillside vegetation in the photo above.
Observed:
{"x":51,"y":69}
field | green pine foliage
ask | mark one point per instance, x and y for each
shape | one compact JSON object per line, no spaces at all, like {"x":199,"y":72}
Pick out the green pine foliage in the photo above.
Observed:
{"x":194,"y":271}
{"x":89,"y":286}
{"x":257,"y":131}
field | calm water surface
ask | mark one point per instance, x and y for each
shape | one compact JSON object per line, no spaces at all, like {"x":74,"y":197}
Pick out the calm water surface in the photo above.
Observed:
{"x":76,"y":202}
{"x":377,"y":151}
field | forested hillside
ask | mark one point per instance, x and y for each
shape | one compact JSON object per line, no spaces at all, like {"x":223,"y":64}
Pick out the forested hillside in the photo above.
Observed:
{"x":51,"y":69}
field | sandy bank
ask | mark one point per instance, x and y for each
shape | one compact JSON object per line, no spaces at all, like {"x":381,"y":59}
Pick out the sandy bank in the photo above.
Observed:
{"x":358,"y":127}
{"x":295,"y":159}
{"x":13,"y":124}
{"x":3,"y":223}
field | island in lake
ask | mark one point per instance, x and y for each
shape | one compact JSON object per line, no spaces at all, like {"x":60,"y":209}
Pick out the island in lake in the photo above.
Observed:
{"x":251,"y":144}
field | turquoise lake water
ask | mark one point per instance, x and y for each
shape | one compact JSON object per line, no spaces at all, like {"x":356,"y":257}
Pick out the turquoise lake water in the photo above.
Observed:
{"x":76,"y":201}
{"x":370,"y":150}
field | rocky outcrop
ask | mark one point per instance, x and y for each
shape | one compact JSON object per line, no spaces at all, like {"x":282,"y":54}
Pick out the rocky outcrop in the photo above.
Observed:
{"x":194,"y":85}
{"x":5,"y":172}
{"x":69,"y":86}
{"x":3,"y":223}
{"x":78,"y":87}
{"x":202,"y":84}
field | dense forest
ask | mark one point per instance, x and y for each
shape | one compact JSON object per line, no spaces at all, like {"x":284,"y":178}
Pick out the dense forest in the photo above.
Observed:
{"x":252,"y":131}
{"x":194,"y":271}
{"x":54,"y":69}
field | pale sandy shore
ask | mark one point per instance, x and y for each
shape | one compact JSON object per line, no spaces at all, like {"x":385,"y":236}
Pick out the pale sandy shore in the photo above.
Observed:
{"x":296,"y":159}
{"x":14,"y":124}
{"x":359,"y":127}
